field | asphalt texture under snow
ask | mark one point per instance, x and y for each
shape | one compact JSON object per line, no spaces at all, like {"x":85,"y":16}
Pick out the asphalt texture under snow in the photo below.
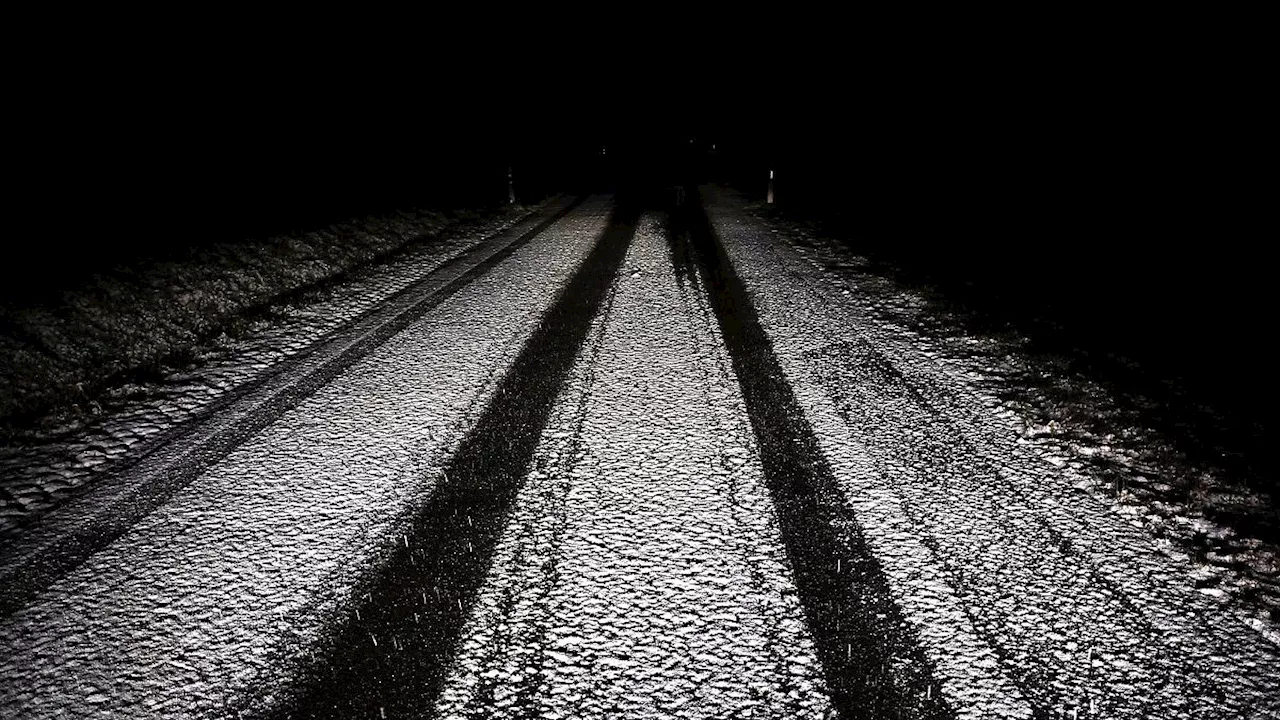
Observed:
{"x":635,"y":462}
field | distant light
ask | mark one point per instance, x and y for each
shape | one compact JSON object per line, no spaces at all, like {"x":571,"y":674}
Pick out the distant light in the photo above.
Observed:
{"x":770,"y":174}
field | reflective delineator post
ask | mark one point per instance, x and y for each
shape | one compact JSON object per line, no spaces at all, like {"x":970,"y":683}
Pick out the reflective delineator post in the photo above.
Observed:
{"x":769,"y":197}
{"x":511,"y":188}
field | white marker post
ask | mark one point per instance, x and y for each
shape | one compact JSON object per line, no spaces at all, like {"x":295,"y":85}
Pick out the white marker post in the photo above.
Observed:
{"x":511,"y":188}
{"x":769,"y":198}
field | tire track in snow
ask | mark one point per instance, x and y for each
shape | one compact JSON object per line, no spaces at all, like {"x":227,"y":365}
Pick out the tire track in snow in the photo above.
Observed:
{"x":643,"y":574}
{"x":873,"y":662}
{"x":390,"y":657}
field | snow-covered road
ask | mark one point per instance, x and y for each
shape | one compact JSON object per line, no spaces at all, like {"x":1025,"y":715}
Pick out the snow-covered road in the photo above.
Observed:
{"x":642,"y":574}
{"x":645,"y":464}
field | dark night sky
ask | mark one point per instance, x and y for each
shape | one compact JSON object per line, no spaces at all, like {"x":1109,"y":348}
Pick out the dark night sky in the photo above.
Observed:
{"x":1071,"y":146}
{"x":1076,"y":176}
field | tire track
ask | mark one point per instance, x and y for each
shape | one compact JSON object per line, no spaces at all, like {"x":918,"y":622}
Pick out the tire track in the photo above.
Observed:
{"x":842,"y":586}
{"x":390,"y":658}
{"x":531,"y":566}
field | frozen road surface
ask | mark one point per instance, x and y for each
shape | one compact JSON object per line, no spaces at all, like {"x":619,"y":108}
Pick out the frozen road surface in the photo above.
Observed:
{"x":626,"y":462}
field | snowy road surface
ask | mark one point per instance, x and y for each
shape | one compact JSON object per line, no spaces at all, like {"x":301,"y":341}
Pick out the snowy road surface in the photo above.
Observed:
{"x":644,"y":463}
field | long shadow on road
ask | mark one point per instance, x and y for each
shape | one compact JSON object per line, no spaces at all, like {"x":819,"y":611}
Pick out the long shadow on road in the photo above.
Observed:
{"x":871,"y":657}
{"x":391,"y":658}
